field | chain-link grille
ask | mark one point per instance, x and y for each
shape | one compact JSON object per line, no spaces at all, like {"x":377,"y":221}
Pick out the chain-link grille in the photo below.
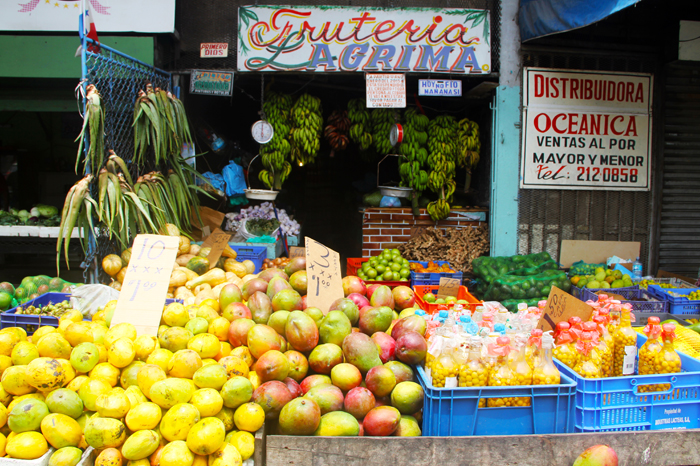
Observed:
{"x":548,"y":216}
{"x":217,"y":21}
{"x":118,"y":78}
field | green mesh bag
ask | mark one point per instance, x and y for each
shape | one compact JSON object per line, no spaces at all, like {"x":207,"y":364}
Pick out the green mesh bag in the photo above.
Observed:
{"x":490,"y":268}
{"x":583,"y":268}
{"x":526,"y":287}
{"x":512,"y":304}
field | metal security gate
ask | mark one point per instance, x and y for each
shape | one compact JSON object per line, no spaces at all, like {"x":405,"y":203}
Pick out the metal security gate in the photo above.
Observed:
{"x":548,"y":216}
{"x":679,"y":245}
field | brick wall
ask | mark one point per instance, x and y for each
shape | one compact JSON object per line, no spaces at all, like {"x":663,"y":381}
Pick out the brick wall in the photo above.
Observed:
{"x":388,"y":227}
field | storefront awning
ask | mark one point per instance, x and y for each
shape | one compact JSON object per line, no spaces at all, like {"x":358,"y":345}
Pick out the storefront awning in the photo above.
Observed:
{"x":540,"y":18}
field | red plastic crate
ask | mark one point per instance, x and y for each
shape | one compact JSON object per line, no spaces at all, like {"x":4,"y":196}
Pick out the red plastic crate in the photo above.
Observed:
{"x":355,"y":263}
{"x":463,"y":293}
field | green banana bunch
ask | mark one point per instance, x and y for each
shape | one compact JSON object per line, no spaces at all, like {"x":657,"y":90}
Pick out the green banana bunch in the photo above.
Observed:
{"x":307,"y":127}
{"x":278,"y":111}
{"x":438,"y":210}
{"x":469,"y":144}
{"x":382,"y":120}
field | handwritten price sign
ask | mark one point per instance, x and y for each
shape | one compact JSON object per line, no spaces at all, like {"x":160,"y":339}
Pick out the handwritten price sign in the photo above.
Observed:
{"x":217,"y":241}
{"x":560,"y":307}
{"x":448,"y":287}
{"x":146,"y":282}
{"x":323,"y":274}
{"x":296,"y":251}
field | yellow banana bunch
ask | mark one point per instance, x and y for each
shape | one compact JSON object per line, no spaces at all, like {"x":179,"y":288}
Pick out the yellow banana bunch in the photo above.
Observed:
{"x":438,"y":210}
{"x":266,"y":178}
{"x":469,"y":144}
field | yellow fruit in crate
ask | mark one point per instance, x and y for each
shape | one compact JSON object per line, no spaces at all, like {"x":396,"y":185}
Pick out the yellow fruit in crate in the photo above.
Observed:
{"x":5,"y":362}
{"x":209,"y":362}
{"x":99,"y":330}
{"x":65,"y":401}
{"x":160,"y":357}
{"x":224,"y":351}
{"x":61,"y":430}
{"x":68,"y":370}
{"x":85,"y":357}
{"x":176,"y":454}
{"x":244,"y":443}
{"x":7,"y":342}
{"x":43,"y":331}
{"x":225,"y":455}
{"x":226,"y":416}
{"x":109,"y":457}
{"x":66,"y":456}
{"x":26,"y":446}
{"x":129,"y":374}
{"x":18,"y":332}
{"x":121,"y":352}
{"x":254,"y":379}
{"x":77,"y":382}
{"x":103,"y":353}
{"x":135,"y":395}
{"x":5,"y":397}
{"x":114,"y":404}
{"x":140,"y":445}
{"x":169,"y":392}
{"x":200,"y":460}
{"x":235,"y":366}
{"x":211,"y":376}
{"x":232,"y":265}
{"x":144,"y":416}
{"x":30,"y":396}
{"x":144,"y":346}
{"x":106,"y":372}
{"x":148,"y":375}
{"x":53,"y":345}
{"x":141,"y":462}
{"x":175,"y":339}
{"x":112,"y":264}
{"x":45,"y":374}
{"x":90,"y":390}
{"x":3,"y":415}
{"x":23,"y":353}
{"x":184,"y":364}
{"x":63,"y":325}
{"x":249,"y":417}
{"x":123,"y":330}
{"x":73,"y":315}
{"x":205,"y":344}
{"x":14,"y":381}
{"x":206,"y":436}
{"x":79,"y":332}
{"x":242,"y":352}
{"x":175,"y":315}
{"x":104,"y":432}
{"x":212,"y":303}
{"x":207,"y":401}
{"x":219,"y":328}
{"x":178,"y":421}
{"x":99,"y":316}
{"x":207,"y":312}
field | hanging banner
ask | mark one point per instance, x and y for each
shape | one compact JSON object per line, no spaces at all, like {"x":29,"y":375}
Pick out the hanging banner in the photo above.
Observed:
{"x":211,"y":82}
{"x":338,"y":38}
{"x":109,"y":15}
{"x":586,"y":130}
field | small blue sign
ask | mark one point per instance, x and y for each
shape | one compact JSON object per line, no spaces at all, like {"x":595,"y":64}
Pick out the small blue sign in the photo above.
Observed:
{"x":440,"y":87}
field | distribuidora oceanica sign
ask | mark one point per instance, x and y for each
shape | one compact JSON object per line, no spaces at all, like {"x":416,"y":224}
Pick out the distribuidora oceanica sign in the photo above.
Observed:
{"x":586,"y":130}
{"x":211,"y":82}
{"x":337,"y":38}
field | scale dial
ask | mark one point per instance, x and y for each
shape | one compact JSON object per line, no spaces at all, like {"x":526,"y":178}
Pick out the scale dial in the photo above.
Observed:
{"x":396,"y":134}
{"x":262,"y":131}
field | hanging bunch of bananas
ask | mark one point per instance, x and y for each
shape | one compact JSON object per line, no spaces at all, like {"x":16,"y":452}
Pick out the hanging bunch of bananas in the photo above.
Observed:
{"x":160,"y":123}
{"x":274,"y":154}
{"x":468,"y":145}
{"x":442,"y":144}
{"x":414,"y":149}
{"x":94,"y":126}
{"x":307,"y":126}
{"x":382,"y":119}
{"x":359,"y":123}
{"x":336,"y":131}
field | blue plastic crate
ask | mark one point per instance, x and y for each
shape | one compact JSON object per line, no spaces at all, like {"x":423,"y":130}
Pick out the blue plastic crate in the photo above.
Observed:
{"x":432,"y":278}
{"x":615,"y":404}
{"x":244,"y":251}
{"x":577,"y":292}
{"x":10,"y":319}
{"x":640,"y":299}
{"x":676,"y":305}
{"x":455,"y":412}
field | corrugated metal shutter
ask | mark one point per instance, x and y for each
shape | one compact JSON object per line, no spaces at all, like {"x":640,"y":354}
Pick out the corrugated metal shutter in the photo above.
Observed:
{"x":679,"y":240}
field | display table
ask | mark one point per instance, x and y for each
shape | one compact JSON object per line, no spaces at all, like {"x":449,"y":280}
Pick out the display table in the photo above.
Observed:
{"x":34,"y":231}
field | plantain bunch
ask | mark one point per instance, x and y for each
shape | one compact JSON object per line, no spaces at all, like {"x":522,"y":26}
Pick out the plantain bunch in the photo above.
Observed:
{"x":443,"y":148}
{"x":307,"y":127}
{"x":382,"y":119}
{"x":360,"y":124}
{"x":414,"y":149}
{"x":336,"y":131}
{"x":468,"y":145}
{"x":275,"y":154}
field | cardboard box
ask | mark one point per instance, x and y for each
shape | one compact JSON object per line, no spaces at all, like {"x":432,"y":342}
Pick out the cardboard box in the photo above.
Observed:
{"x":210,"y":218}
{"x":596,"y":252}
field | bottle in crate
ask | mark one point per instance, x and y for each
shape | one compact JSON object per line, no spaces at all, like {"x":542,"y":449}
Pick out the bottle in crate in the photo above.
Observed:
{"x":606,"y":344}
{"x":586,"y":367}
{"x":533,"y":352}
{"x":599,"y":348}
{"x":475,"y":373}
{"x":565,"y":349}
{"x":625,"y":341}
{"x":648,"y":352}
{"x":575,"y":326}
{"x":445,"y":369}
{"x":667,"y":360}
{"x":501,"y":374}
{"x":521,"y":369}
{"x":546,"y":373}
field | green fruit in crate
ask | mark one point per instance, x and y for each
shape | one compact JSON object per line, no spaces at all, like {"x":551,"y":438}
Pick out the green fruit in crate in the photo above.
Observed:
{"x":8,"y":288}
{"x":198,"y":265}
{"x":593,"y":284}
{"x":429,"y":298}
{"x":5,"y":300}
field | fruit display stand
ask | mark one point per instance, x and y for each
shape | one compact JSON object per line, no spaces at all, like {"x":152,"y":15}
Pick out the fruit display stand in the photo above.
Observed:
{"x":432,"y":278}
{"x":641,"y":300}
{"x":432,"y":308}
{"x":677,"y":304}
{"x":355,"y":263}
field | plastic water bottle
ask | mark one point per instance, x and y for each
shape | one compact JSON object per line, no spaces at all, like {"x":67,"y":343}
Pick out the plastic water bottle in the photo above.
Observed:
{"x":637,"y":269}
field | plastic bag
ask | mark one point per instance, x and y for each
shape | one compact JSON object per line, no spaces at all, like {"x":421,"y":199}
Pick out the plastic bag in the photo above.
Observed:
{"x":88,"y":299}
{"x":390,"y":201}
{"x":217,"y":181}
{"x":490,"y":268}
{"x":526,"y":287}
{"x":234,"y":179}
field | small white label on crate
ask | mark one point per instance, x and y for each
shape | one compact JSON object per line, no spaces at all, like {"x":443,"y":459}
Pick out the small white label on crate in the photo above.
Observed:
{"x":451,"y":382}
{"x":630,"y":358}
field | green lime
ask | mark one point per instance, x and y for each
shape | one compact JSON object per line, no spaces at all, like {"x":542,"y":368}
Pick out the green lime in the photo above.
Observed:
{"x":395,"y":267}
{"x":386,"y":251}
{"x":365,"y":265}
{"x":396,"y":252}
{"x":5,"y":300}
{"x":405,"y":273}
{"x":381,"y":268}
{"x":371,"y":273}
{"x":388,"y":275}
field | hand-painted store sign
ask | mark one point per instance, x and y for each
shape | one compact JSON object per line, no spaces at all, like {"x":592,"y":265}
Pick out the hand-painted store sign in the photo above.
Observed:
{"x":586,"y":130}
{"x":211,"y":82}
{"x":335,"y":38}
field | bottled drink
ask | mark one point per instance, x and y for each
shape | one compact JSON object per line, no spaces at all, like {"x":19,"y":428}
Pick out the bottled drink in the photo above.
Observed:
{"x":667,"y":360}
{"x":501,"y":375}
{"x":586,"y":367}
{"x":637,"y":269}
{"x":565,"y":349}
{"x":546,"y":373}
{"x":625,"y":351}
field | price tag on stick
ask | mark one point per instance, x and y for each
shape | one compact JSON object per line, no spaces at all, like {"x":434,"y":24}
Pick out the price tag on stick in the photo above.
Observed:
{"x":142,"y":296}
{"x":323,"y":274}
{"x":448,"y":287}
{"x":560,"y":307}
{"x":217,"y":241}
{"x":296,"y":251}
